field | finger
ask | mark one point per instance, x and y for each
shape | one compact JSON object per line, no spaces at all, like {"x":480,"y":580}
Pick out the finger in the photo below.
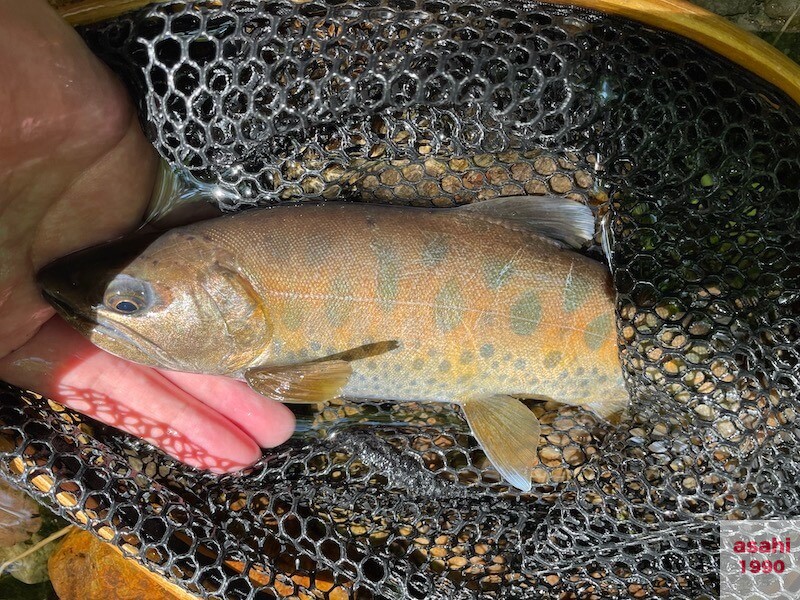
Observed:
{"x":65,"y":367}
{"x":268,"y":422}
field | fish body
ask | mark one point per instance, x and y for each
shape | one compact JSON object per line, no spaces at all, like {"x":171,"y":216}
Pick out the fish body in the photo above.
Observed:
{"x":476,"y":307}
{"x":306,"y":302}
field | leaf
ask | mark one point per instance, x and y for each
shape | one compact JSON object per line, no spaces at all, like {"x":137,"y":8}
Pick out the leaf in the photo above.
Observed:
{"x":32,"y":568}
{"x":27,"y":561}
{"x":84,"y":568}
{"x":19,"y":516}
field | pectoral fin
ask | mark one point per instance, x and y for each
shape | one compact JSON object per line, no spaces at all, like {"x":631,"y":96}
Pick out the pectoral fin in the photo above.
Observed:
{"x":302,"y":383}
{"x":508,"y":432}
{"x":314,"y":381}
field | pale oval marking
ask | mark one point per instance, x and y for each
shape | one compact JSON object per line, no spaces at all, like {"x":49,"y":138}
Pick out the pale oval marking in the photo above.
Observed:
{"x":339,"y":306}
{"x":388,"y":275}
{"x":576,"y":291}
{"x":447,"y":310}
{"x":292,"y":317}
{"x":599,"y":331}
{"x":526,"y":313}
{"x":435,"y":250}
{"x":497,"y":273}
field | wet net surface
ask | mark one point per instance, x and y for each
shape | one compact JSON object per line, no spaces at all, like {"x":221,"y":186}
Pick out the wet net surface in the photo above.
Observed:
{"x":441,"y":103}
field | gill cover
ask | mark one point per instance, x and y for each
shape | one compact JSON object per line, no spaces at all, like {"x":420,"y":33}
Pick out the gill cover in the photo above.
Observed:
{"x":241,"y":311}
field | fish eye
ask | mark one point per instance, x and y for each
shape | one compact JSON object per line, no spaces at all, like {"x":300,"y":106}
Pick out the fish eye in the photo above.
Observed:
{"x":127,"y":295}
{"x":126,"y":305}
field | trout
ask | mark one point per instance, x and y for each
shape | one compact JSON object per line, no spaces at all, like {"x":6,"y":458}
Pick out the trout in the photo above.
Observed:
{"x":479,"y":306}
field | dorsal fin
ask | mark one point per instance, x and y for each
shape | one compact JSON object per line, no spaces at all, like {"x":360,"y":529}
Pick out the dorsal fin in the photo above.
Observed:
{"x":566,"y":221}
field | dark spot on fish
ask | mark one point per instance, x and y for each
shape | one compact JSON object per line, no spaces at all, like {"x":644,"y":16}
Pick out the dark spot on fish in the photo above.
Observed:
{"x":487,"y":351}
{"x":315,"y":346}
{"x":520,"y":364}
{"x":485,"y":319}
{"x":318,"y":249}
{"x":292,"y":317}
{"x":466,"y":357}
{"x":579,"y":371}
{"x":444,"y":366}
{"x":417,"y":364}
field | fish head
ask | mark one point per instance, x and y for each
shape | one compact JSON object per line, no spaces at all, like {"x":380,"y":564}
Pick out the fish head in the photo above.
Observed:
{"x":175,"y":301}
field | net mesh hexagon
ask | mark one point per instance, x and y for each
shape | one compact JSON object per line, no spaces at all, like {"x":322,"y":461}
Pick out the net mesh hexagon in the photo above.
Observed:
{"x":443,"y":102}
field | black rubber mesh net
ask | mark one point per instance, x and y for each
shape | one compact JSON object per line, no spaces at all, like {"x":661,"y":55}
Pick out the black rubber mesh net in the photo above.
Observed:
{"x":441,"y":103}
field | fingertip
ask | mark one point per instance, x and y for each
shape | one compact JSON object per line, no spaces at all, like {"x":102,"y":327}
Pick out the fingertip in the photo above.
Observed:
{"x":267,"y":421}
{"x":283,"y":426}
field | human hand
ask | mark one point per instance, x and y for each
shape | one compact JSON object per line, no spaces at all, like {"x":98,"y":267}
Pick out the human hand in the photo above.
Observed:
{"x":76,"y":170}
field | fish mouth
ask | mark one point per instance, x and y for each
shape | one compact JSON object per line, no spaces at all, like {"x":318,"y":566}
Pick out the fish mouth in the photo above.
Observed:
{"x":150,"y":353}
{"x":70,"y":313}
{"x":113,"y":337}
